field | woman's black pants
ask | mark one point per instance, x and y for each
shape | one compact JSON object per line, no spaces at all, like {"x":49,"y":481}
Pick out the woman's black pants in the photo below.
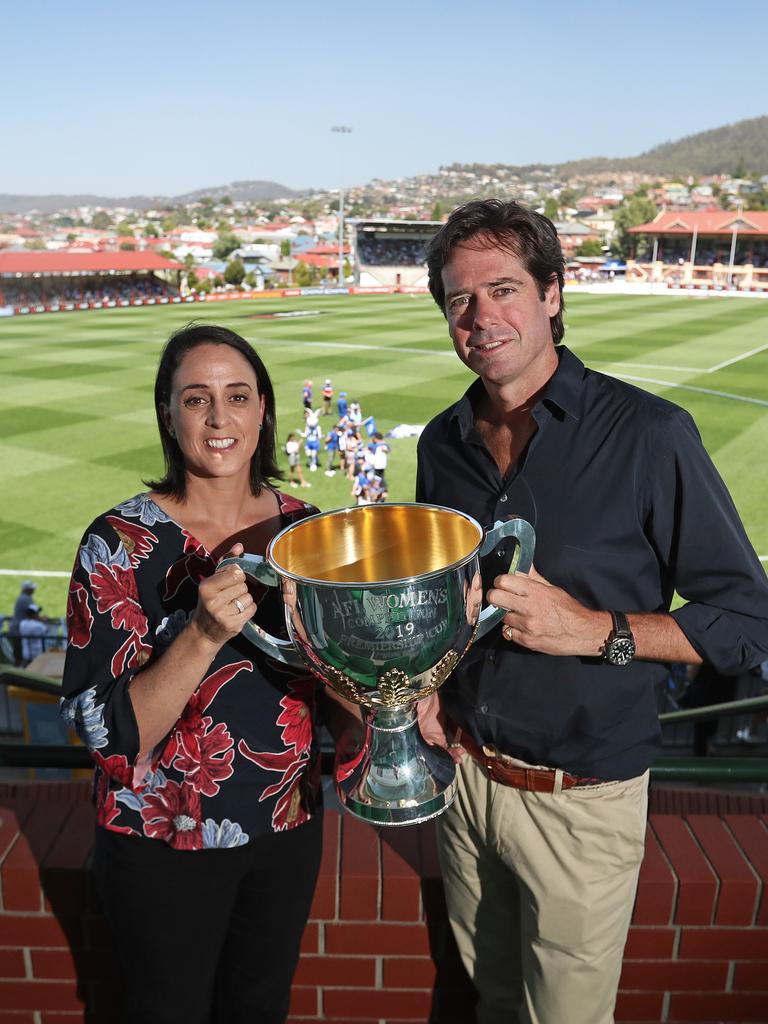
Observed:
{"x":207,"y":936}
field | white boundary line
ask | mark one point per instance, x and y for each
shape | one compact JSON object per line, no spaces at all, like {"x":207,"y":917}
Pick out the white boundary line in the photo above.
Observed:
{"x":692,"y":387}
{"x":737,"y":359}
{"x":35,"y":572}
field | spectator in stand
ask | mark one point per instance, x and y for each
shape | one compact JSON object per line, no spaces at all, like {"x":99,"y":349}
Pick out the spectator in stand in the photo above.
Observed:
{"x":32,"y":631}
{"x":306,"y":394}
{"x":327,"y":397}
{"x":292,"y":449}
{"x":342,"y":407}
{"x":24,"y":601}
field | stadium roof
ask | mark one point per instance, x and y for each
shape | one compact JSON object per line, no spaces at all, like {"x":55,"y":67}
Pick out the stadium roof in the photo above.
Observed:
{"x":26,"y":263}
{"x":386,"y":222}
{"x":706,"y":222}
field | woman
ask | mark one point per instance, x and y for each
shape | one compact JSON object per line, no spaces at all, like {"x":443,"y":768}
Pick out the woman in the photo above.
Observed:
{"x":207,"y":782}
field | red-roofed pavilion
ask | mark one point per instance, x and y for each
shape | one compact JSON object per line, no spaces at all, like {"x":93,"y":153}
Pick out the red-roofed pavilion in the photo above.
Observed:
{"x":712,"y":248}
{"x":32,"y":281}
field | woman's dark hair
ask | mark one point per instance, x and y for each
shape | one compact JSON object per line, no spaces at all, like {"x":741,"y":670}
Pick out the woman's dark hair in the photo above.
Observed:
{"x":264,"y":461}
{"x":529,"y":236}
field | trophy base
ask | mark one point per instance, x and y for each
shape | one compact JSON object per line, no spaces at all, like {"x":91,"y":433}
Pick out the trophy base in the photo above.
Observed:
{"x":398,"y":778}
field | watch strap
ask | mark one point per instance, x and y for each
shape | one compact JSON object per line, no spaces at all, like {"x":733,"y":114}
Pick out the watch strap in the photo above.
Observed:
{"x":620,"y":623}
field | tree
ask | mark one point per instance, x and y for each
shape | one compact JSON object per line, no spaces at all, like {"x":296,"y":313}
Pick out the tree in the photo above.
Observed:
{"x":633,"y":211}
{"x":34,"y":243}
{"x":285,"y":248}
{"x":150,"y":231}
{"x":127,"y":247}
{"x":303,"y":275}
{"x":568,"y":197}
{"x":437,"y":211}
{"x":250,"y":279}
{"x":234,"y":272}
{"x":589,"y":247}
{"x":551,"y":208}
{"x":124,"y":229}
{"x":101,"y":220}
{"x":225,"y":244}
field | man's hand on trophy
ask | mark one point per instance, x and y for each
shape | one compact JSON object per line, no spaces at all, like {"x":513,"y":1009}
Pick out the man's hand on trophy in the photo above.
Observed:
{"x":543,"y":617}
{"x":434,"y":726}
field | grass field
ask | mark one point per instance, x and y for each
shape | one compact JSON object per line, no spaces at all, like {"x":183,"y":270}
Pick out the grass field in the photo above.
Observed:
{"x":77,"y":428}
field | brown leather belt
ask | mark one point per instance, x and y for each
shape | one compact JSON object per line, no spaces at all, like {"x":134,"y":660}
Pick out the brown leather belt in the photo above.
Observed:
{"x":537,"y":780}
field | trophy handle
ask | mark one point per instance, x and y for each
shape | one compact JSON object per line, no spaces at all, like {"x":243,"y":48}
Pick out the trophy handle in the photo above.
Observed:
{"x":281,"y":650}
{"x":522,"y":560}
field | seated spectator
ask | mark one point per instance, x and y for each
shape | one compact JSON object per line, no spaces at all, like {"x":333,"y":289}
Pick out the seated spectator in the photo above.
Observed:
{"x":32,"y":631}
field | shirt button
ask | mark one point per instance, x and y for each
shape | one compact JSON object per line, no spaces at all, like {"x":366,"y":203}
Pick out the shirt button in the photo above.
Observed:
{"x":484,"y":709}
{"x":503,"y":497}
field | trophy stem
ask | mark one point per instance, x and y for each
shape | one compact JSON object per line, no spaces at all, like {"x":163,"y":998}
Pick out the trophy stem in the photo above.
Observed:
{"x":398,"y":778}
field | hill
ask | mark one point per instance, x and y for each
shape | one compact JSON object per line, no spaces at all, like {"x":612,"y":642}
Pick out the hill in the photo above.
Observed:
{"x":731,"y":149}
{"x":238,"y":191}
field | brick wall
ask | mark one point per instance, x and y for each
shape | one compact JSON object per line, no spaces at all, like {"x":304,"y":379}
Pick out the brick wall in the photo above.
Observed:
{"x":378,"y":947}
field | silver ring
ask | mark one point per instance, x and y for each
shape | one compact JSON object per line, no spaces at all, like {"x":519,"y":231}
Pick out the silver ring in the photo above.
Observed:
{"x":238,"y":604}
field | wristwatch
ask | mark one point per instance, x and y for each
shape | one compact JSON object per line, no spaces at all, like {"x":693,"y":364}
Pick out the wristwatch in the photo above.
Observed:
{"x":620,"y":646}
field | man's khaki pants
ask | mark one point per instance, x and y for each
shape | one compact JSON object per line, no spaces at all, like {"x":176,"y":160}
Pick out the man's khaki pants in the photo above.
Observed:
{"x":540,"y":888}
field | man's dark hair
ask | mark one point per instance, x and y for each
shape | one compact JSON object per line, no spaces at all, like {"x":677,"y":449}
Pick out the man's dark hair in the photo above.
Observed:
{"x":528,"y":235}
{"x":264,"y":460}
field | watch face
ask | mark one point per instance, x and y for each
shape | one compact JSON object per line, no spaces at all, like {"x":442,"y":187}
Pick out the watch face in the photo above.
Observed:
{"x":621,"y":651}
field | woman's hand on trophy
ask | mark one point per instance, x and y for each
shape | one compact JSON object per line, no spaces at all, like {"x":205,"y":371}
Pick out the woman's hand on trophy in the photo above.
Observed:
{"x":224,"y":604}
{"x":545,"y":618}
{"x":434,"y":727}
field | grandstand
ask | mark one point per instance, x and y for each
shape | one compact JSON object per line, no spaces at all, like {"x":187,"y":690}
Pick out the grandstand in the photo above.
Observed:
{"x":390,"y":253}
{"x":43,"y":281}
{"x":707,"y":249}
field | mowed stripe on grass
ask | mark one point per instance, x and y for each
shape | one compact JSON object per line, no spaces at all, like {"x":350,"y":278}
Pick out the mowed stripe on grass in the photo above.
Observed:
{"x":77,"y":429}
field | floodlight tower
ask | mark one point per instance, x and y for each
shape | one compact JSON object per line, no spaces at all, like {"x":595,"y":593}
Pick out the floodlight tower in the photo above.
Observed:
{"x":341,"y":129}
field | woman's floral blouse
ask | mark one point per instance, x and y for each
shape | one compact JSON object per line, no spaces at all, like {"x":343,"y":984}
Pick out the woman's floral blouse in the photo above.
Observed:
{"x":242,"y":758}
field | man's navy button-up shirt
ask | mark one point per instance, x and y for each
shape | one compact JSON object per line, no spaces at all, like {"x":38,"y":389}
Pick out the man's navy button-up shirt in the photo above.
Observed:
{"x":628,"y":508}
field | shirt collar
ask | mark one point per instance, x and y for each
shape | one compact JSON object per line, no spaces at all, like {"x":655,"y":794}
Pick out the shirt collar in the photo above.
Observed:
{"x":563,"y":391}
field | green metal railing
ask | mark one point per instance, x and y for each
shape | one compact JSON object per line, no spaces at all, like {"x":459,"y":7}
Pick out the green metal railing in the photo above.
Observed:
{"x":664,"y":769}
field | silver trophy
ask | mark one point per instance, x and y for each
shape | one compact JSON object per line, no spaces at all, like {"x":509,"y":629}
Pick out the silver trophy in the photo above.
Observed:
{"x":381,"y":603}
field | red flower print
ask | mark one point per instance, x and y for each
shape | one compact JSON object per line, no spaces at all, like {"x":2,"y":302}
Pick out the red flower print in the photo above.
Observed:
{"x":115,"y":591}
{"x":172,"y":813}
{"x":289,"y":506}
{"x":115,"y":767}
{"x":136,"y":540}
{"x":79,"y":616}
{"x":296,"y":719}
{"x":206,"y":760}
{"x":194,"y":566}
{"x":132,"y":654}
{"x":192,"y":722}
{"x":106,"y":813}
{"x":290,"y":810}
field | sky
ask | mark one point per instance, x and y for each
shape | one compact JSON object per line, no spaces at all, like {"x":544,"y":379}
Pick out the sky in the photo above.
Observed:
{"x":165,"y":97}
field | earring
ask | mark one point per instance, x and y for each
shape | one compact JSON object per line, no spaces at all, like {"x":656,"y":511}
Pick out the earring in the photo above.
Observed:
{"x":172,"y":432}
{"x":260,"y":424}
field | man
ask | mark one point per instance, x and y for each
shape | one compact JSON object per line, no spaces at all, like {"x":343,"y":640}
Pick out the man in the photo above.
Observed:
{"x":555,"y":711}
{"x":32,"y":631}
{"x":327,"y":397}
{"x":23,"y":601}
